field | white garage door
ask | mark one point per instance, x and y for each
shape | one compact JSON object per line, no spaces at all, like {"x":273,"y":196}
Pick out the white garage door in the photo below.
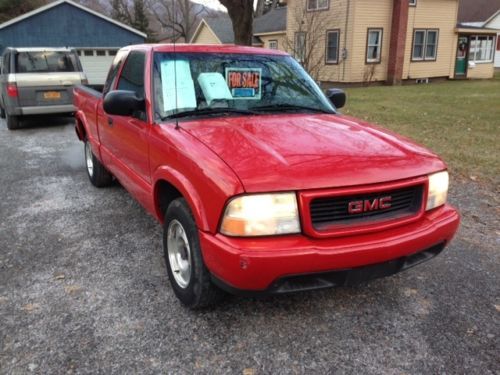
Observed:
{"x":96,"y":63}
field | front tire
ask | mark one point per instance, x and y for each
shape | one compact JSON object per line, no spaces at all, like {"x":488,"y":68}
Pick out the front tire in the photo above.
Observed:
{"x":13,"y":122}
{"x":186,"y":269}
{"x":2,"y":112}
{"x":98,"y":175}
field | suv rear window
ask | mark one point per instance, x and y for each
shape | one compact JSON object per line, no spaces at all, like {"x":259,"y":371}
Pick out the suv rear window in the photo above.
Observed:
{"x":45,"y":62}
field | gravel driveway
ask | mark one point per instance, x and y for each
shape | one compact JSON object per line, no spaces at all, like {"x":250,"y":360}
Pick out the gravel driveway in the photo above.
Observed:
{"x":83,"y":289}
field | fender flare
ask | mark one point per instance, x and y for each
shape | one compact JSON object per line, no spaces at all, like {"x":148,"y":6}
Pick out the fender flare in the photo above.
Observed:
{"x":188,"y":191}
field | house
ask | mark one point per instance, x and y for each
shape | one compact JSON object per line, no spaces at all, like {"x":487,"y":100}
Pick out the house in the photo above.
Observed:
{"x":64,"y":23}
{"x":269,"y":30}
{"x":385,"y":40}
{"x":482,"y":14}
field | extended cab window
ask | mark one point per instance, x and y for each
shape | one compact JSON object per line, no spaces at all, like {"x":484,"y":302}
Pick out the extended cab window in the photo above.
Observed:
{"x":46,"y":62}
{"x":191,"y":84}
{"x":113,"y":71}
{"x":132,"y":75}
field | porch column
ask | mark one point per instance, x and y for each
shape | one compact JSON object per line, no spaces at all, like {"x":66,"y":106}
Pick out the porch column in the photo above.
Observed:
{"x":398,"y":41}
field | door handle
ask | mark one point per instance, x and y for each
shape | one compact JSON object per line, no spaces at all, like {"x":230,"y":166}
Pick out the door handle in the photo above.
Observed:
{"x":110,"y":122}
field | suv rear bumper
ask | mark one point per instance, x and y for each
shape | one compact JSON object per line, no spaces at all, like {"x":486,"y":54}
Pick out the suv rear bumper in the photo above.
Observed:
{"x":41,"y":110}
{"x":292,"y":263}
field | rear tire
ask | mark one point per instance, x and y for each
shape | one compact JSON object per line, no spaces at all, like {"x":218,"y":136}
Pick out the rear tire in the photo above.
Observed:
{"x":186,"y":269}
{"x":2,"y":112}
{"x":13,"y":122}
{"x":98,"y":175}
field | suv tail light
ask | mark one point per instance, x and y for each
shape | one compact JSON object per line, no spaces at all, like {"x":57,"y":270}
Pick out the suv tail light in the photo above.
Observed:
{"x":12,"y":90}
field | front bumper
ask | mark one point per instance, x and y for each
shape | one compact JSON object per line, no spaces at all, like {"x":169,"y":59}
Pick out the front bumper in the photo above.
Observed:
{"x":247,"y":266}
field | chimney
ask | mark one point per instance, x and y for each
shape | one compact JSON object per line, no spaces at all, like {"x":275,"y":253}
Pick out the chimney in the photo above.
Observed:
{"x":398,"y":41}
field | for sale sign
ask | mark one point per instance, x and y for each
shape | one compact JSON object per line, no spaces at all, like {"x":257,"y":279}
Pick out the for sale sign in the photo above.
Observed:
{"x":244,"y":83}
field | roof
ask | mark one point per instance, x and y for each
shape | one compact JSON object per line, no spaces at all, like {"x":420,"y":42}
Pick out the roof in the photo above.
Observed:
{"x":85,"y":9}
{"x":208,"y":48}
{"x":222,"y":26}
{"x":477,"y":10}
{"x":272,"y":21}
{"x":40,"y":49}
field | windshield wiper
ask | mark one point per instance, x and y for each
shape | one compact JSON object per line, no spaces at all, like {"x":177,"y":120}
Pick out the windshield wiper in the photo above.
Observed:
{"x":290,"y":107}
{"x":208,"y":111}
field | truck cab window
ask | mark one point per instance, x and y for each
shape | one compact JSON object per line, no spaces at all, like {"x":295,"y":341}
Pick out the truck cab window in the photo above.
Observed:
{"x":113,"y":72}
{"x":132,"y":76}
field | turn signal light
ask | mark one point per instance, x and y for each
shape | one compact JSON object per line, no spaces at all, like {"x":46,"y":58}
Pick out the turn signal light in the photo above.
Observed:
{"x":12,"y":90}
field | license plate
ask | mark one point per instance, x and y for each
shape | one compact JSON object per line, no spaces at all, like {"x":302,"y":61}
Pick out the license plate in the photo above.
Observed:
{"x":52,"y":95}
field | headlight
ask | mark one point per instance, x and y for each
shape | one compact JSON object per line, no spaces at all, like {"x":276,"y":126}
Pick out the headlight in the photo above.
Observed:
{"x":261,"y":215}
{"x":438,"y":190}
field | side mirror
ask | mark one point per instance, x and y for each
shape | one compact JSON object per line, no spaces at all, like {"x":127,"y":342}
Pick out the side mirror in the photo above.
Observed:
{"x":123,"y":103}
{"x":337,"y":97}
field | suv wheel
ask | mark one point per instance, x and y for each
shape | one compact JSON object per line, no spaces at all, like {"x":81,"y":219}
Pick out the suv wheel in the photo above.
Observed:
{"x":98,"y":175}
{"x":186,"y":269}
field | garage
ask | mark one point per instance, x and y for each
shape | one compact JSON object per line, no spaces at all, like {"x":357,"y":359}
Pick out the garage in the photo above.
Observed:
{"x":95,"y":63}
{"x":65,"y":23}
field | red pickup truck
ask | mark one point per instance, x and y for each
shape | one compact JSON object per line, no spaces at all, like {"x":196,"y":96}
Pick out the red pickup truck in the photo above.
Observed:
{"x":261,"y":185}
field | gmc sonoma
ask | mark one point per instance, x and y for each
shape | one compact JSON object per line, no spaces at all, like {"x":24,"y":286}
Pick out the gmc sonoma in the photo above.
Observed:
{"x":262,"y":187}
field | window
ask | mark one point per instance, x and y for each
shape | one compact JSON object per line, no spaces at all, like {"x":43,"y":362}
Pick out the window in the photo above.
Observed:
{"x":100,"y":52}
{"x":276,"y":80}
{"x":113,"y":71}
{"x":425,"y":44}
{"x":300,"y":46}
{"x":112,"y":52}
{"x":413,"y":3}
{"x":374,"y":46}
{"x":132,"y":76}
{"x":332,"y":47}
{"x":498,"y":42}
{"x":481,"y":48}
{"x":273,"y":44}
{"x":5,"y":63}
{"x":88,"y":52}
{"x":45,"y":62}
{"x":318,"y":4}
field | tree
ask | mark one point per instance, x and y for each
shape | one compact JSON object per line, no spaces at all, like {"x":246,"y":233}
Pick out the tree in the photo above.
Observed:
{"x":178,"y":17}
{"x":136,"y":18}
{"x":13,"y":8}
{"x":264,"y":6}
{"x":241,"y":14}
{"x":307,"y":43}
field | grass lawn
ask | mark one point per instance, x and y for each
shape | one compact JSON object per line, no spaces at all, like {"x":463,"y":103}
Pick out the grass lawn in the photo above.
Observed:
{"x":460,"y":120}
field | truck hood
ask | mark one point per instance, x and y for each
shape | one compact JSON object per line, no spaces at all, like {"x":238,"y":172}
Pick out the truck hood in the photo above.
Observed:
{"x":303,"y":151}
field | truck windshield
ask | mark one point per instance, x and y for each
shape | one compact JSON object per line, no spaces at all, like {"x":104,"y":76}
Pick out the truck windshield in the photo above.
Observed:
{"x":45,"y":62}
{"x":201,"y":84}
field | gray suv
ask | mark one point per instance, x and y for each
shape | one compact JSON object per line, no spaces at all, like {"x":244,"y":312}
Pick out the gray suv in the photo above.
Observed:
{"x":36,"y":81}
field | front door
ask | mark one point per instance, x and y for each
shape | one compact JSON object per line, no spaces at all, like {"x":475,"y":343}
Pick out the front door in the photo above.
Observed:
{"x":462,"y":57}
{"x":127,"y":136}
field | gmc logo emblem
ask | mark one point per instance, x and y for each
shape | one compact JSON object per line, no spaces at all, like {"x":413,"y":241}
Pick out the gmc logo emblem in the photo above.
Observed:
{"x":367,"y":205}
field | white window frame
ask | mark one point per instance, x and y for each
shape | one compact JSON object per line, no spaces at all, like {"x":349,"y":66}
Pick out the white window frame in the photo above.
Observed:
{"x":273,"y":44}
{"x":317,"y":7}
{"x":492,"y":48}
{"x":328,"y":32}
{"x":412,"y":3}
{"x":425,"y":44}
{"x":378,"y":59}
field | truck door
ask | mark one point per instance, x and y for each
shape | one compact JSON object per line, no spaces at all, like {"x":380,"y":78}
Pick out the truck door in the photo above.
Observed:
{"x":126,"y":137}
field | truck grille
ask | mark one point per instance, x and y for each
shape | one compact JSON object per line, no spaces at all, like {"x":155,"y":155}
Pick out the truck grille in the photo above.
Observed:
{"x":331,"y":211}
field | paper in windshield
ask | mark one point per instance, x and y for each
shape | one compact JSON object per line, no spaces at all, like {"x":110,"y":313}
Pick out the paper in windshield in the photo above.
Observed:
{"x":177,"y":93}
